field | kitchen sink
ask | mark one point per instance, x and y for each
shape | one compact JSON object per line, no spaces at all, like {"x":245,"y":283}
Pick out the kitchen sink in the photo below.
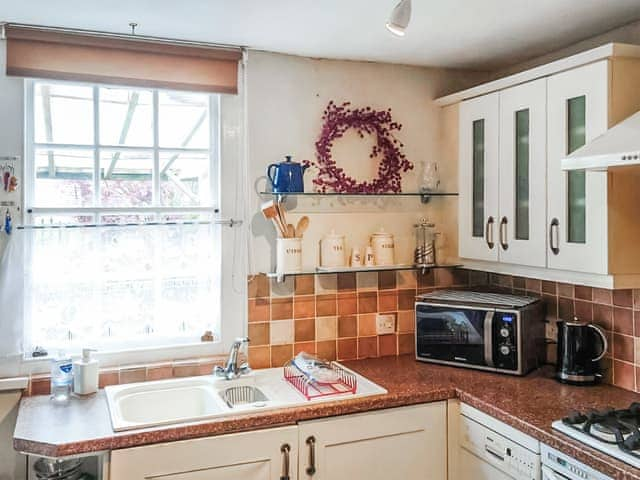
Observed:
{"x":196,"y":399}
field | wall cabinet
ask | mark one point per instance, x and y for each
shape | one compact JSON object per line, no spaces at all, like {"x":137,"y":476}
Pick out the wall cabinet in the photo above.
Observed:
{"x":517,"y":206}
{"x":407,"y":442}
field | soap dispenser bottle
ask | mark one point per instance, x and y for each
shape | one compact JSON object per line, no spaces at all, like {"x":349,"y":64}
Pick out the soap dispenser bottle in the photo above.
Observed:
{"x":85,"y":380}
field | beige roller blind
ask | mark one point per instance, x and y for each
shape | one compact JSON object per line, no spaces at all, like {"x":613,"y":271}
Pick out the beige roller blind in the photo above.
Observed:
{"x":124,"y":60}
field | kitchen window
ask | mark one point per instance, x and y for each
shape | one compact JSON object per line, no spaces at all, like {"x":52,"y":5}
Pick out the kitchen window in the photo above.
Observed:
{"x":121,"y":247}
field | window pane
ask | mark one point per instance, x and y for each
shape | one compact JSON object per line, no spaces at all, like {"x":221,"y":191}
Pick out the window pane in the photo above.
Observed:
{"x":522,"y":175}
{"x":184,"y":179}
{"x":184,"y":120}
{"x":70,"y":219}
{"x":126,"y":117}
{"x":121,"y":287}
{"x":126,"y":179}
{"x":63,"y":114}
{"x":186,"y":217}
{"x":64,"y":178}
{"x":478,"y":178}
{"x":576,"y":179}
{"x":126,"y":218}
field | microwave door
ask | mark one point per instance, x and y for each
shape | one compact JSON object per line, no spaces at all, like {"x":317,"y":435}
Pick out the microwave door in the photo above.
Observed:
{"x":488,"y":339}
{"x":451,"y":334}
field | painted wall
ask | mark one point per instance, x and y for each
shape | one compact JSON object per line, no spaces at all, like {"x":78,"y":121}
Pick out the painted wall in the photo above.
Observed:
{"x":286,"y":96}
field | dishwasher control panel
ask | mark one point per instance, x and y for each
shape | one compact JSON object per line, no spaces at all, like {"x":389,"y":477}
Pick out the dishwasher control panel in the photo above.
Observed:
{"x":506,"y":455}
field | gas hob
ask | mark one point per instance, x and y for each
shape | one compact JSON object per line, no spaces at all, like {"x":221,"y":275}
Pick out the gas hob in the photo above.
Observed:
{"x":614,"y":432}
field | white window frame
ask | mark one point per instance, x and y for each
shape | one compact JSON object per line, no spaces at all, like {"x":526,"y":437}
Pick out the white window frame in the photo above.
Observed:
{"x":233,"y":285}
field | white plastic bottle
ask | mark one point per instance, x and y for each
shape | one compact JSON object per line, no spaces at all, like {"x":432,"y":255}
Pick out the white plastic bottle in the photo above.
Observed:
{"x":85,"y":374}
{"x":61,"y":378}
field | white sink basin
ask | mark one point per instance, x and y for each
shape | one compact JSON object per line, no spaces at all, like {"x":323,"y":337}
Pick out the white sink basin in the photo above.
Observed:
{"x":183,"y":400}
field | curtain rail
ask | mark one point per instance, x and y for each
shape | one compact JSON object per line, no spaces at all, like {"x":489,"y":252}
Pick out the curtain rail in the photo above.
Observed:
{"x":228,"y":222}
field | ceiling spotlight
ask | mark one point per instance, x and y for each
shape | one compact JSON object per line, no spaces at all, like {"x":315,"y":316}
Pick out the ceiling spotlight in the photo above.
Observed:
{"x":399,"y":18}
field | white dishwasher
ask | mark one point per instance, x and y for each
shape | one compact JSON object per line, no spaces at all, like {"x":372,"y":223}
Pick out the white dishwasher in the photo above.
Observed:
{"x":558,"y":466}
{"x":492,"y":450}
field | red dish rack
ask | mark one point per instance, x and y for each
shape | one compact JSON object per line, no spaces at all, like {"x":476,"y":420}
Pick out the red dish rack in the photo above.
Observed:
{"x":347,"y":382}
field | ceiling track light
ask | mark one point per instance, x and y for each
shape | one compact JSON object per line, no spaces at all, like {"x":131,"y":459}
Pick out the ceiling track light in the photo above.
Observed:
{"x":400,"y":18}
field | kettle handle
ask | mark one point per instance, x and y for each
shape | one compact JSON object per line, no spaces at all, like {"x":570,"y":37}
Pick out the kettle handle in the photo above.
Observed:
{"x":603,"y":337}
{"x":270,"y":172}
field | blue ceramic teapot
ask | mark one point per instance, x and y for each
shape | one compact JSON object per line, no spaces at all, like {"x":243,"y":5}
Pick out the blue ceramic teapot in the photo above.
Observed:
{"x":286,"y":177}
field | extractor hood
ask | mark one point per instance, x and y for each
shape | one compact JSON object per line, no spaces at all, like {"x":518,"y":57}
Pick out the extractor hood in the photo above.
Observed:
{"x":617,"y":147}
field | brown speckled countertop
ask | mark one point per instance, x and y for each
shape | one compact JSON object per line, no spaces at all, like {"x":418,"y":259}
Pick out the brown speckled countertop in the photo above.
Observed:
{"x":529,"y":404}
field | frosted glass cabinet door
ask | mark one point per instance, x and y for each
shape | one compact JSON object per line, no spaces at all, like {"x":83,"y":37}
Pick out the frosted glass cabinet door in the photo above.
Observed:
{"x":578,"y":105}
{"x":478,"y":178}
{"x":523,"y":156}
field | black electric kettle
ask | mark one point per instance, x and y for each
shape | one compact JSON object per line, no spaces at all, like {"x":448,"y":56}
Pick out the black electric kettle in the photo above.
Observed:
{"x":581,"y":346}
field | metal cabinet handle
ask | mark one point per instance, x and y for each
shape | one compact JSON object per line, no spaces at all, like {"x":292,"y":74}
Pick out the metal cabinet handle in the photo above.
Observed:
{"x":554,"y":239}
{"x":285,"y":449}
{"x":311,"y":469}
{"x":503,"y":233}
{"x":488,"y":232}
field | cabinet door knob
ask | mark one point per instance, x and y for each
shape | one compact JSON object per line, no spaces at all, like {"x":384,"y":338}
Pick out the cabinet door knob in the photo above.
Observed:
{"x":554,"y":236}
{"x":503,"y":233}
{"x":488,"y":233}
{"x":285,"y":449}
{"x":311,"y":469}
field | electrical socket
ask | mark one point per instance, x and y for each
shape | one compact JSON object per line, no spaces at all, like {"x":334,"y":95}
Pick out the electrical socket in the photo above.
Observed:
{"x":385,"y":323}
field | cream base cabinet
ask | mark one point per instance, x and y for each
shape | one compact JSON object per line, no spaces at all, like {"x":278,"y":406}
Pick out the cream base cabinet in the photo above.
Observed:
{"x":255,"y":455}
{"x":402,"y":443}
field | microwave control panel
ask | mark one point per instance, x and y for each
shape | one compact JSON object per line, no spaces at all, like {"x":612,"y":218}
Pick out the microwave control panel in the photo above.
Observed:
{"x":505,"y":340}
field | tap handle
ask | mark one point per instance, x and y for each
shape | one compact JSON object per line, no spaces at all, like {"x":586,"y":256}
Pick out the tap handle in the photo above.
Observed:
{"x":241,"y":341}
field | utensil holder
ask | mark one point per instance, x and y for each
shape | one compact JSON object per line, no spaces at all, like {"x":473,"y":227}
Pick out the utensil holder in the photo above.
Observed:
{"x":288,"y":255}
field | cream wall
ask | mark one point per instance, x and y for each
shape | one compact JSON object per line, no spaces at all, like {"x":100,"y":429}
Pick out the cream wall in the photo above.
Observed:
{"x":286,"y":96}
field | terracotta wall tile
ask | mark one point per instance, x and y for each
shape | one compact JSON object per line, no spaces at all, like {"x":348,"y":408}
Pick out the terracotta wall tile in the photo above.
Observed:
{"x":584,"y":311}
{"x":260,"y":357}
{"x":549,"y":287}
{"x":159,"y":371}
{"x":347,"y":303}
{"x":519,"y":283}
{"x":624,"y":375}
{"x":623,"y":298}
{"x":407,"y":279}
{"x":326,"y":283}
{"x":305,"y":330}
{"x":259,"y":310}
{"x":347,"y":349}
{"x":259,"y":333}
{"x":367,"y":281}
{"x":133,"y":375}
{"x":444,"y":278}
{"x":603,"y":296}
{"x":482,"y":278}
{"x":308,"y":347}
{"x":326,"y":349}
{"x":388,"y":345}
{"x":623,"y":348}
{"x":281,"y":308}
{"x":347,"y":282}
{"x":406,"y":343}
{"x":347,"y":326}
{"x":326,"y":305}
{"x":406,"y":299}
{"x":583,"y":293}
{"x":111,"y":377}
{"x":281,"y":354}
{"x":406,"y":321}
{"x":636,"y":299}
{"x":427,"y":279}
{"x":366,"y":325}
{"x":367,"y":302}
{"x":304,"y":306}
{"x":565,"y":309}
{"x":305,"y":285}
{"x":623,"y":321}
{"x":387,"y":301}
{"x":533,"y":285}
{"x":551,"y":302}
{"x":386,"y":280}
{"x":40,"y":385}
{"x":180,"y":369}
{"x":367,"y":347}
{"x":565,"y":290}
{"x":282,"y":289}
{"x":258,"y":286}
{"x":603,"y":316}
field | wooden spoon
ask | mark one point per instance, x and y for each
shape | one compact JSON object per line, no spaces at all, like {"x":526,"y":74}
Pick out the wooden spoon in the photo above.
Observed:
{"x":302,"y":226}
{"x":270,"y":212}
{"x":291,"y":231}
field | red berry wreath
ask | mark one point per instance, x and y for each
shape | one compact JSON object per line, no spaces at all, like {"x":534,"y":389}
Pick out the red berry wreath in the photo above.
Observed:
{"x":340,"y":118}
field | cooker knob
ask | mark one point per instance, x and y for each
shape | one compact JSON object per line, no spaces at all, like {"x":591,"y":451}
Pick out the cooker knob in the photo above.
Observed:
{"x":505,"y":350}
{"x":504,"y":332}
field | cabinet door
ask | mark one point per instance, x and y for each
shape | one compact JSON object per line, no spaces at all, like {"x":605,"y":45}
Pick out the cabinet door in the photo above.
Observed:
{"x":523,"y":156}
{"x":577,"y":105}
{"x":248,"y":456}
{"x":401,"y":443}
{"x":478,"y":178}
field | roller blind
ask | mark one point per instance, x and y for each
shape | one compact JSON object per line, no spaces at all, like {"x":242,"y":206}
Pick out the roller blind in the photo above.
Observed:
{"x":120,"y":59}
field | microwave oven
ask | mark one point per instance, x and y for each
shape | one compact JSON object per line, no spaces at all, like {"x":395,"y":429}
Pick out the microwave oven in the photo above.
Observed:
{"x":486,"y":331}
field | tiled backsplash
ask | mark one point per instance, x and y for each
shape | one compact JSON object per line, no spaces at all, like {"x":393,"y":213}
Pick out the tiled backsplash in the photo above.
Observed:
{"x":334,"y":315}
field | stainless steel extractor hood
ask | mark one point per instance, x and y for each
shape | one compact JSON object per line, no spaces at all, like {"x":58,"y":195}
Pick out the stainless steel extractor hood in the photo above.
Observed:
{"x":617,"y":147}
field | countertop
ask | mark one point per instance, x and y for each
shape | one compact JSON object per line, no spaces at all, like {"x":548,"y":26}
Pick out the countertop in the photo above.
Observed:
{"x":528,"y":403}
